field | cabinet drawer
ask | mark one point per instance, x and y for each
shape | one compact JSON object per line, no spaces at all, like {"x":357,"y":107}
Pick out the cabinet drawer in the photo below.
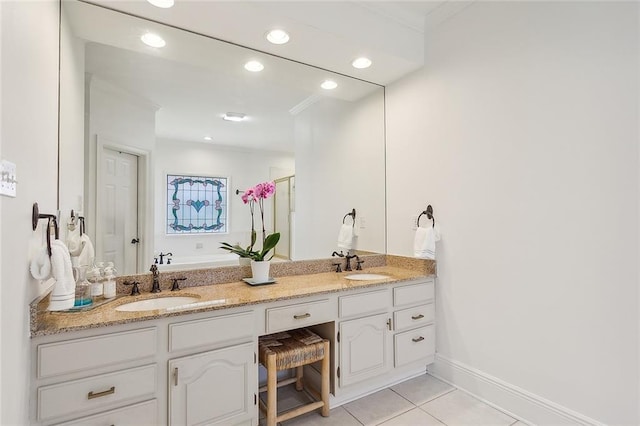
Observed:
{"x":364,"y":303}
{"x":145,"y":413}
{"x":191,"y":334}
{"x":299,"y":315}
{"x":414,"y":345}
{"x":412,"y":294}
{"x":96,"y":393}
{"x":414,"y":317}
{"x":92,"y":352}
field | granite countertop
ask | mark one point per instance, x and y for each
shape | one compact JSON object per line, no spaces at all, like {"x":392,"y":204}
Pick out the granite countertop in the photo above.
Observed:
{"x":227,"y":295}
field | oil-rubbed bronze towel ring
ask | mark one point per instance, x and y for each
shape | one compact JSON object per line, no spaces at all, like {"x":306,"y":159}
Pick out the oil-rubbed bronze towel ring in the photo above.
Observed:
{"x":51,"y":220}
{"x":429,"y":213}
{"x":353,"y":216}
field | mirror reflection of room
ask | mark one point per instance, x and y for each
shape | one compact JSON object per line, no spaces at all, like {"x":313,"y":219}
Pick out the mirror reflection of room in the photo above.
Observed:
{"x":195,"y":108}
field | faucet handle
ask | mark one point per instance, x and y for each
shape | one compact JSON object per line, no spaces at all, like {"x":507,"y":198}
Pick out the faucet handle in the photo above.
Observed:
{"x":135,"y":291}
{"x":359,"y":265}
{"x":176,"y":286}
{"x":338,"y":267}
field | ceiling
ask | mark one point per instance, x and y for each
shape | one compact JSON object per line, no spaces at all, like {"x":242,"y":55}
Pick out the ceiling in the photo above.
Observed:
{"x":327,"y":34}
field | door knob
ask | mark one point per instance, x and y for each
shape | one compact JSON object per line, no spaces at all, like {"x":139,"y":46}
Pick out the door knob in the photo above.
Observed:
{"x":135,"y":240}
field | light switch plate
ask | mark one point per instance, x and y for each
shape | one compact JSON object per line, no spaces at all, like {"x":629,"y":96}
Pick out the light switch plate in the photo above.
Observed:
{"x":8,"y":179}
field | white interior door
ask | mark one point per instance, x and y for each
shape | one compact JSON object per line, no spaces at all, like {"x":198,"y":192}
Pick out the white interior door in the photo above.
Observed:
{"x":282,"y":216}
{"x":117,"y":211}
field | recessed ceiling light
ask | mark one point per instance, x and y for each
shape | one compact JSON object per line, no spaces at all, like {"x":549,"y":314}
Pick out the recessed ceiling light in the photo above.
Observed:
{"x":329,"y":85}
{"x":361,"y":63}
{"x":208,"y":138}
{"x":278,"y":36}
{"x":161,"y":3}
{"x":253,"y":66}
{"x":153,"y":40}
{"x":233,"y":116}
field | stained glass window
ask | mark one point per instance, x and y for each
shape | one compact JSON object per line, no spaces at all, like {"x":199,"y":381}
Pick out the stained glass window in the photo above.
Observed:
{"x":196,"y":204}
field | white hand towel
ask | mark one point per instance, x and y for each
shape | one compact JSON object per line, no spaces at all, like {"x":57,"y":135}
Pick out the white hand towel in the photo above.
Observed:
{"x":87,"y":254}
{"x":74,"y":243}
{"x":424,"y":242}
{"x":63,"y":293}
{"x":40,"y":266}
{"x":345,"y":237}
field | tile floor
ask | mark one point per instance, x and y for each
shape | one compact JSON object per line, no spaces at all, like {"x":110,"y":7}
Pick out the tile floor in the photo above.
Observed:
{"x":423,"y":400}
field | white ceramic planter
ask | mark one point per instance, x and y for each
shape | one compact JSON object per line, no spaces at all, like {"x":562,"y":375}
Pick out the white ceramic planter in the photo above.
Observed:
{"x":260,"y":270}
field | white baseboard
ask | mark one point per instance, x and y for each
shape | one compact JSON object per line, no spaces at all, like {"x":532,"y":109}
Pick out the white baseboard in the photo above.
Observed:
{"x":517,"y":402}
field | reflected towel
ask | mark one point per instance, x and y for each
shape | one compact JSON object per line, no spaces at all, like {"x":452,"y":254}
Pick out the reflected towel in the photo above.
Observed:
{"x":345,"y":237}
{"x":63,"y":294}
{"x":87,"y":253}
{"x":73,"y":242}
{"x":424,"y":242}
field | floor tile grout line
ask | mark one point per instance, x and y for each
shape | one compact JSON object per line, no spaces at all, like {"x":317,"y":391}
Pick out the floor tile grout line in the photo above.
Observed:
{"x":403,"y":397}
{"x":393,"y":417}
{"x":352,"y":415}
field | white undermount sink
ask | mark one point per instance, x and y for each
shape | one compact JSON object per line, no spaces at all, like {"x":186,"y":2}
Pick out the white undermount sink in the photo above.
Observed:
{"x":366,"y":277}
{"x":157,"y":303}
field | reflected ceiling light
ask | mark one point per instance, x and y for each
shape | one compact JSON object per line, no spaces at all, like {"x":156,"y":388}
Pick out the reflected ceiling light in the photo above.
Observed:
{"x":233,"y":116}
{"x":253,"y":66}
{"x":208,"y":138}
{"x":361,"y":63}
{"x":153,"y":40}
{"x":278,"y":36}
{"x":165,"y":4}
{"x":329,"y":85}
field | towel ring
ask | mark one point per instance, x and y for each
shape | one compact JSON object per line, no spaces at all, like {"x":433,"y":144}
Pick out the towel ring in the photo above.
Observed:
{"x":429,"y":213}
{"x":52,"y":221}
{"x":353,"y":216}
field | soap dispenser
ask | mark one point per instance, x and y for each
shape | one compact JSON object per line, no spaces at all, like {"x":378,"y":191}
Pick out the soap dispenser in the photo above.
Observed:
{"x":83,"y":288}
{"x":109,"y":283}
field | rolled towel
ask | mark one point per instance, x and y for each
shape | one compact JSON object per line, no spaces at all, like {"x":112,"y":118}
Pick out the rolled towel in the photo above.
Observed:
{"x":345,"y":237}
{"x":87,"y":254}
{"x":64,"y":290}
{"x":424,"y":242}
{"x":74,"y":242}
{"x":40,"y":265}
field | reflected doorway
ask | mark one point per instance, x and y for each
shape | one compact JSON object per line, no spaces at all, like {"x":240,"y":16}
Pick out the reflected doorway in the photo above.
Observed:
{"x":117,"y":210}
{"x":284,"y":216}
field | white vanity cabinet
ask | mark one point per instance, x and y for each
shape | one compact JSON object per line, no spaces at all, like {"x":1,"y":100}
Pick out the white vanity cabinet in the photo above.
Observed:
{"x":364,"y":349}
{"x":201,"y":368}
{"x":384,"y":334}
{"x":186,"y":370}
{"x":114,"y":374}
{"x":413,"y":320}
{"x":213,"y":388}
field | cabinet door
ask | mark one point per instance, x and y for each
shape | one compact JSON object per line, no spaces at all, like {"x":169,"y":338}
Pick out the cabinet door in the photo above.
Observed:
{"x":364,"y":350}
{"x":213,"y":388}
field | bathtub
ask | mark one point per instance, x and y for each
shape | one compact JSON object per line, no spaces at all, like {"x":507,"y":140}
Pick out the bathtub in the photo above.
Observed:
{"x":200,"y":262}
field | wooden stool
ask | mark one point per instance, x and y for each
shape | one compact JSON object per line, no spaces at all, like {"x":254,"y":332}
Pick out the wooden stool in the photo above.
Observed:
{"x":293,"y":349}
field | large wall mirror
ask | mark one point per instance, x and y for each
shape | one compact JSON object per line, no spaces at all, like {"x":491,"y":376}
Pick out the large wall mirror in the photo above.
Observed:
{"x":135,"y":117}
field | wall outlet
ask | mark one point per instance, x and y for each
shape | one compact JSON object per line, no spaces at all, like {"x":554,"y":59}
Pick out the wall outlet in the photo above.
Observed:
{"x":414,"y":222}
{"x":8,"y":179}
{"x":363,"y":222}
{"x":199,"y":246}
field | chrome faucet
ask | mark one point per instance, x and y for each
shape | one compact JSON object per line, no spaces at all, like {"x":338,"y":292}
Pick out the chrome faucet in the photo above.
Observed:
{"x":156,"y":279}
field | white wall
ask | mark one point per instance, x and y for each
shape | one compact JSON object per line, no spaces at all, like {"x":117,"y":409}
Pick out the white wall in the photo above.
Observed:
{"x":340,"y":166}
{"x":121,"y":120}
{"x":244,"y":168}
{"x":522,"y":132}
{"x":29,"y":36}
{"x":72,"y":119}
